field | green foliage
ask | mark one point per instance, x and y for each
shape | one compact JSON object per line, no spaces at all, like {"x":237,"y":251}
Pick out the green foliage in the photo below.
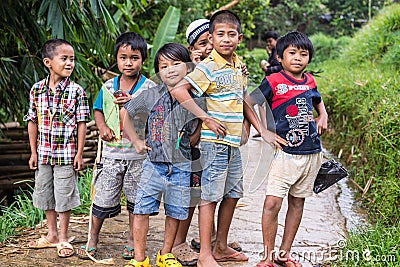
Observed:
{"x":327,"y":47}
{"x":84,"y":187}
{"x":166,"y":32}
{"x":20,"y":214}
{"x":252,"y":60}
{"x":372,"y":246}
{"x":362,"y":98}
{"x":376,"y":39}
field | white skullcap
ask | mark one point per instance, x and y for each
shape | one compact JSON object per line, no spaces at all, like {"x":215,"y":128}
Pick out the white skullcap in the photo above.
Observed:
{"x":195,"y":29}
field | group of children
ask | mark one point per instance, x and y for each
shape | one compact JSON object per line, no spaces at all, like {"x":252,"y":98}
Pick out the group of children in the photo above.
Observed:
{"x":173,"y":138}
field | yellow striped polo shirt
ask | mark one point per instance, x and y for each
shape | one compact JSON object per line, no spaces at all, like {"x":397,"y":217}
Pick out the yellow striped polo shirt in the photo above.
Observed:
{"x":223,"y":84}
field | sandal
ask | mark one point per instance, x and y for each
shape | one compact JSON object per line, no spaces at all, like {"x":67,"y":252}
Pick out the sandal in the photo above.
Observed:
{"x":135,"y":263}
{"x":128,"y":253}
{"x":264,"y":264}
{"x":292,"y":263}
{"x":82,"y":253}
{"x":195,"y":244}
{"x":167,"y":260}
{"x":185,"y":255}
{"x":65,"y":246}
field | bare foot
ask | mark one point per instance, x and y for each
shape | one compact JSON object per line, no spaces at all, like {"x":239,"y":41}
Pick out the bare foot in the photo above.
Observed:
{"x":207,"y":262}
{"x":228,"y":254}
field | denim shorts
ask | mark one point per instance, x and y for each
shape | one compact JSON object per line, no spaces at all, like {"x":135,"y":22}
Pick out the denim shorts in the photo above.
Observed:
{"x":170,"y":182}
{"x":56,"y":188}
{"x":222,"y":174}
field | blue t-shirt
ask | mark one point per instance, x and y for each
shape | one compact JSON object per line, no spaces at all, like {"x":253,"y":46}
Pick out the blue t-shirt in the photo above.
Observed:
{"x":292,"y":103}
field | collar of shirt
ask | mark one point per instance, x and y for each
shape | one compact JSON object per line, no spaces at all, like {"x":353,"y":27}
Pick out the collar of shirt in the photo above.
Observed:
{"x":221,"y":62}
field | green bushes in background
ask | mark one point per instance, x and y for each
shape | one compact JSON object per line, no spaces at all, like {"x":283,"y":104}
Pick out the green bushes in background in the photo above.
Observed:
{"x":361,"y":91}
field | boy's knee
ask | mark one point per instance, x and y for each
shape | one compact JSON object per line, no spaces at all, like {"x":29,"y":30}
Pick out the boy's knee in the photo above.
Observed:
{"x":272,"y":204}
{"x":296,"y":202}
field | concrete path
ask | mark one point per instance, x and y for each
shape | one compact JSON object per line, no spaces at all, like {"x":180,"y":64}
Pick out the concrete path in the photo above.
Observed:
{"x":322,"y":226}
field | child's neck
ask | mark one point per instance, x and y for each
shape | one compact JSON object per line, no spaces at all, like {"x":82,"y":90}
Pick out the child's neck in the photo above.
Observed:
{"x":127,"y":82}
{"x":54,"y":80}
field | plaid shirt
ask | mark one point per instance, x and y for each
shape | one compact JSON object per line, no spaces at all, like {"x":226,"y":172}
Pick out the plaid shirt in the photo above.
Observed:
{"x":57,"y":136}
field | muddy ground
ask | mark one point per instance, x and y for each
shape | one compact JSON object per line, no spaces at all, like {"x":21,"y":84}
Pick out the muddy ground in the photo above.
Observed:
{"x":321,"y":229}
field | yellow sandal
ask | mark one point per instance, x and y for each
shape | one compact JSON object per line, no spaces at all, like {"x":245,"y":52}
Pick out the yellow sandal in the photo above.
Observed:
{"x":167,"y":260}
{"x":135,"y":263}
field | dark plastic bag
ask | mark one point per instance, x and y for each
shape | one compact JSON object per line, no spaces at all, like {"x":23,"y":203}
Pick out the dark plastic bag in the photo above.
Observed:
{"x":330,"y":173}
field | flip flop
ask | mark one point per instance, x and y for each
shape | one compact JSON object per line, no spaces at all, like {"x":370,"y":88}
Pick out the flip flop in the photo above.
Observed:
{"x":42,"y":242}
{"x":263,"y":264}
{"x":81,"y":252}
{"x":285,"y":262}
{"x":237,"y":256}
{"x":65,"y":246}
{"x":127,"y":253}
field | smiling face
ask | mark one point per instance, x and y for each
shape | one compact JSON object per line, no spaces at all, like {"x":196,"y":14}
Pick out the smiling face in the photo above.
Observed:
{"x":203,"y":45}
{"x":225,"y":38}
{"x":171,"y":71}
{"x":270,"y":44}
{"x":294,"y":61}
{"x":63,"y":62}
{"x":129,"y":61}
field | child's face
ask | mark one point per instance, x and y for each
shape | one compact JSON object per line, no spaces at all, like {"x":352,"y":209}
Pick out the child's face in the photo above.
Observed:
{"x":294,"y":61}
{"x":225,"y":38}
{"x":129,"y":61}
{"x":202,"y":44}
{"x":270,"y":43}
{"x":63,"y":62}
{"x":171,"y":71}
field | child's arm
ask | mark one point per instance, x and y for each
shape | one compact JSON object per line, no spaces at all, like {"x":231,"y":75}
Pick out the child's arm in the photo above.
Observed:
{"x":105,"y":133}
{"x":322,"y":119}
{"x":268,"y":136}
{"x":181,"y":93}
{"x":139,"y":144}
{"x":78,"y":161}
{"x":33,"y":134}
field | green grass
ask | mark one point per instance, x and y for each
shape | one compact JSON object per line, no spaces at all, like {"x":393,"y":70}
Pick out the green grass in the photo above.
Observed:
{"x":376,"y":246}
{"x":360,"y":89}
{"x":21,"y":214}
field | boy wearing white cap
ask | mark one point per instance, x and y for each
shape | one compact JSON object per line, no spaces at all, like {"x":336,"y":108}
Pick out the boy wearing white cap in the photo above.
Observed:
{"x":197,"y":38}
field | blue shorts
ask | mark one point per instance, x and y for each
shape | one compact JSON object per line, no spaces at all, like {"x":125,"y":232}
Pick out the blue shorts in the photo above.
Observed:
{"x":170,"y":181}
{"x":222,"y":175}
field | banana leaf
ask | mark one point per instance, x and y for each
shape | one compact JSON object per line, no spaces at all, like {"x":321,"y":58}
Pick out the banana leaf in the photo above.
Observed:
{"x":166,"y":32}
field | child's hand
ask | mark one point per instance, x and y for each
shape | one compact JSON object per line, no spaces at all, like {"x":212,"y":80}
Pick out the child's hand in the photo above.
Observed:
{"x":245,"y":72}
{"x":106,"y":134}
{"x":273,"y":139}
{"x":33,"y":162}
{"x":322,"y":124}
{"x":141,"y":147}
{"x":195,"y":56}
{"x":216,"y":127}
{"x":78,"y":162}
{"x":194,"y":138}
{"x":122,"y":99}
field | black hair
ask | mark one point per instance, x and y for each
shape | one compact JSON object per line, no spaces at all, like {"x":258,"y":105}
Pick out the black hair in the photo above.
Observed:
{"x":296,"y":39}
{"x":270,"y":34}
{"x":225,"y":16}
{"x":50,"y":47}
{"x":134,"y":40}
{"x":172,"y":51}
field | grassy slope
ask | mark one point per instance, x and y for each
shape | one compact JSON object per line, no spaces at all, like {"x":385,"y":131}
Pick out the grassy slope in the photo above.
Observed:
{"x":361,"y":92}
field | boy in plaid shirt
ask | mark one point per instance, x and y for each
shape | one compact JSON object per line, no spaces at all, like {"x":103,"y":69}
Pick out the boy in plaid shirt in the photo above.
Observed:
{"x":57,"y":116}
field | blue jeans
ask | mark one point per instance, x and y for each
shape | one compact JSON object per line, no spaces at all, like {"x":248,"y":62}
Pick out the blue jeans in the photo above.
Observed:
{"x":170,"y":181}
{"x":222,"y":172}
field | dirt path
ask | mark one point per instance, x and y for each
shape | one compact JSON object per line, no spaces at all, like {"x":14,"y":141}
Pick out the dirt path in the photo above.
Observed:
{"x":322,"y":226}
